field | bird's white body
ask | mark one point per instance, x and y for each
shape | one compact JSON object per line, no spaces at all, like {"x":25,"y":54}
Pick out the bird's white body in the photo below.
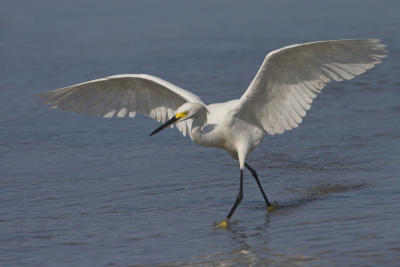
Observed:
{"x":226,"y":131}
{"x":276,"y":100}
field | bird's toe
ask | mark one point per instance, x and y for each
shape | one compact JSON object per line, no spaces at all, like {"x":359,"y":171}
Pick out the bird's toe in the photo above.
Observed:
{"x":273,"y":206}
{"x":223,"y":224}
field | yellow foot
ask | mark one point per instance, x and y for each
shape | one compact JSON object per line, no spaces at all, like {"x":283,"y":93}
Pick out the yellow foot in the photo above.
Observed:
{"x":273,"y":206}
{"x":224,"y":224}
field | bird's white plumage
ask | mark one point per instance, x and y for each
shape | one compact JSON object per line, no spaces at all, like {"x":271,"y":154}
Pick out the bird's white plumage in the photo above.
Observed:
{"x":291,"y":77}
{"x":122,"y":95}
{"x":276,"y":100}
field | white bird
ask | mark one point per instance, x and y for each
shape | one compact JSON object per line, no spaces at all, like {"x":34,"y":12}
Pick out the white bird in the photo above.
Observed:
{"x":275,"y":101}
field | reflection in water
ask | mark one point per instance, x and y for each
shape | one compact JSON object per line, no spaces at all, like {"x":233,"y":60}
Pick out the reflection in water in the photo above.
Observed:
{"x":244,"y":255}
{"x":251,"y":255}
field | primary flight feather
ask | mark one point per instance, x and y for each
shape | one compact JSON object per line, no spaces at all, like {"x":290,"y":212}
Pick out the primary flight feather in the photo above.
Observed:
{"x":275,"y":101}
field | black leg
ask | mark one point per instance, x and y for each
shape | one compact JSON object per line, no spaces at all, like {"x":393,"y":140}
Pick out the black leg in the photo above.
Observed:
{"x":238,"y":198}
{"x":254,"y":173}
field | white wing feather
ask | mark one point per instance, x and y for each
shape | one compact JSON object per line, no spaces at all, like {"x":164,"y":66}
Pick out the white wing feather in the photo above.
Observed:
{"x":122,"y":95}
{"x":291,"y":77}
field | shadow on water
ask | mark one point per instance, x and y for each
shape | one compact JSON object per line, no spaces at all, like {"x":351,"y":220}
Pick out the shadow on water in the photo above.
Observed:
{"x":243,"y":236}
{"x":314,"y":193}
{"x":307,"y":196}
{"x":246,"y":237}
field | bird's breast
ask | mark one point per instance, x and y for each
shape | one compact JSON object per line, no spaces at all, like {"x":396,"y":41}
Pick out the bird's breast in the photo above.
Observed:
{"x":227,"y":132}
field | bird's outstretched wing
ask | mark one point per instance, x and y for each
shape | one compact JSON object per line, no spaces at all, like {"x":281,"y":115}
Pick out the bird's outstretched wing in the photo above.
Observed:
{"x":291,"y":77}
{"x":122,"y":95}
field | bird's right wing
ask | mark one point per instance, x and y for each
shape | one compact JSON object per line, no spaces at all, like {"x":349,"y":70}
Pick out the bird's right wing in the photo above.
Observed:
{"x":291,"y":77}
{"x":121,"y":95}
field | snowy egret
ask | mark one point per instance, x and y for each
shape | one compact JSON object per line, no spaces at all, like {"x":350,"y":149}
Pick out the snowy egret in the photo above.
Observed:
{"x":275,"y":101}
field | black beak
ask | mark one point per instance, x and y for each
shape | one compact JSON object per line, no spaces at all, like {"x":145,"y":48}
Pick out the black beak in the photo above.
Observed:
{"x":165,"y":125}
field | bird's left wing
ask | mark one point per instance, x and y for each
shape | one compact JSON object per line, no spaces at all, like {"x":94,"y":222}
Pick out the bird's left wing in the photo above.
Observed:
{"x":291,"y":77}
{"x":122,"y":95}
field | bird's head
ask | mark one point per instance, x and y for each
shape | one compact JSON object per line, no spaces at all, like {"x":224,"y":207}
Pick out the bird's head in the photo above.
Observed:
{"x":186,"y":111}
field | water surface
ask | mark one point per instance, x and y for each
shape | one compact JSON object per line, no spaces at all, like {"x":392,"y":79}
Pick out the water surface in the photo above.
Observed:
{"x":77,"y":190}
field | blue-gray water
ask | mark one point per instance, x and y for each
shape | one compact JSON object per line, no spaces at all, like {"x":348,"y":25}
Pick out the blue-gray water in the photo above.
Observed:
{"x":77,"y":190}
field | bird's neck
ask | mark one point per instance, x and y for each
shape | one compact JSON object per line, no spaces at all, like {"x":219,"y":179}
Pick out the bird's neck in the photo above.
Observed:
{"x":196,"y":132}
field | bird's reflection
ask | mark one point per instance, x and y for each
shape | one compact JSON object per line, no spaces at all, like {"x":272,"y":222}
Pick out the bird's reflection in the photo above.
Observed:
{"x":252,"y":239}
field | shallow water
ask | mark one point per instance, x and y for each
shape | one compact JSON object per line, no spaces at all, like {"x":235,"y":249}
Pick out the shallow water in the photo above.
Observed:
{"x":77,"y":190}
